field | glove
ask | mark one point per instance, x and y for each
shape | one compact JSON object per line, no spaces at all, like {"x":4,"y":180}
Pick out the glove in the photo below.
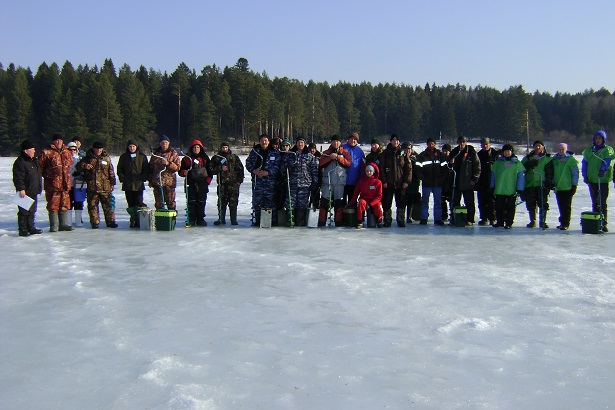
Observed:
{"x":573,"y":190}
{"x":521,"y":196}
{"x":531,"y":164}
{"x":208,"y":180}
{"x":601,"y":173}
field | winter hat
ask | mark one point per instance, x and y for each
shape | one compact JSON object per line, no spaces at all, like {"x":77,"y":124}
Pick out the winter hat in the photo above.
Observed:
{"x":538,"y":142}
{"x":57,"y":137}
{"x":394,"y":137}
{"x":405,"y":145}
{"x":508,"y":146}
{"x":299,"y":139}
{"x":430,"y":140}
{"x":461,"y":139}
{"x":376,"y":141}
{"x":485,"y":141}
{"x":446,"y":147}
{"x":27,"y":144}
{"x":164,"y":138}
{"x":602,"y":134}
{"x":71,"y":145}
{"x":354,"y":135}
{"x":369,"y":168}
{"x":224,"y":144}
{"x":312,"y":145}
{"x":335,"y":138}
{"x":131,"y":142}
{"x":286,"y":141}
{"x":98,"y":144}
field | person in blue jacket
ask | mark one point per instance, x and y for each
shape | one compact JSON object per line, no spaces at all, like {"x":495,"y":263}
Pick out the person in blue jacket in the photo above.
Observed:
{"x":263,"y":163}
{"x":357,"y":165}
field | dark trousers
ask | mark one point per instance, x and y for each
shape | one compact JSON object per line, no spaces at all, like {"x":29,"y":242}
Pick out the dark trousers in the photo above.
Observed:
{"x":505,"y":209}
{"x":486,"y":204}
{"x":599,"y":195}
{"x":387,"y":203}
{"x":134,"y":198}
{"x":564,"y":204}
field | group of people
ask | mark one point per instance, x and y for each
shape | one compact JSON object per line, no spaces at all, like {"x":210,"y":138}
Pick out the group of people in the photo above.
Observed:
{"x":298,"y":179}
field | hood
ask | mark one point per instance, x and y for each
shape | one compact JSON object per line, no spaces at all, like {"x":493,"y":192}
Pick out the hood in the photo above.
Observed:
{"x":602,"y":134}
{"x":197,"y":142}
{"x":376,"y":169}
{"x":132,"y":142}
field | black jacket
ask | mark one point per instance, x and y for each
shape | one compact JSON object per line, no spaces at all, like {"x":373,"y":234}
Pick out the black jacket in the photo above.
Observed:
{"x":27,"y":175}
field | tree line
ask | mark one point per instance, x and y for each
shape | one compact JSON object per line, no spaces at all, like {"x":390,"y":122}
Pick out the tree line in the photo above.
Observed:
{"x":237,"y":104}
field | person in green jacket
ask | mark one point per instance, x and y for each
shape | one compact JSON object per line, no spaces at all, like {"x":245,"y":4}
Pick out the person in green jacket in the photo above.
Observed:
{"x":538,"y":183}
{"x":507,"y":181}
{"x":565,"y":181}
{"x":597,"y":171}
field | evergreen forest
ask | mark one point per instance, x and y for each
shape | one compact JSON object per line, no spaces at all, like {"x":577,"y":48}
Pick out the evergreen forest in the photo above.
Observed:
{"x":236,"y":104}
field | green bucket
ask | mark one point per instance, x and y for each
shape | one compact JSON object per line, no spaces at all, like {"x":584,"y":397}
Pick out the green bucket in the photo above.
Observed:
{"x":165,"y":219}
{"x":460,"y":215}
{"x":591,"y":222}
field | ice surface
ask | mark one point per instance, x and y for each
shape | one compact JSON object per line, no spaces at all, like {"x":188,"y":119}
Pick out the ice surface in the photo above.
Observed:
{"x":228,"y":317}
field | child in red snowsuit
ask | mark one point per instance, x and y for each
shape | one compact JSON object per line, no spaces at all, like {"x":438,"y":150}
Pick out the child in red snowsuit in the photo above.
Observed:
{"x":369,"y":192}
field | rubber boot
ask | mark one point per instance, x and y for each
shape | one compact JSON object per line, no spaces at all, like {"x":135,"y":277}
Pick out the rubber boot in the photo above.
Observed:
{"x":53,"y":222}
{"x":222,"y":219}
{"x":22,"y":225}
{"x":32,"y":230}
{"x":388,"y":218}
{"x":65,"y":221}
{"x":543,"y":219}
{"x":78,"y":217}
{"x":134,"y":220}
{"x":233,"y":212}
{"x":401,"y":221}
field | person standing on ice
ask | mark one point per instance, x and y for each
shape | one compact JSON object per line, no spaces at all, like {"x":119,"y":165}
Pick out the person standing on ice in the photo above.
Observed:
{"x":487,"y":155}
{"x":28,"y":181}
{"x":133,"y":171}
{"x":507,"y":181}
{"x":395,"y":174}
{"x":196,"y":168}
{"x":230,"y":171}
{"x":100,"y":176}
{"x":466,"y":164}
{"x":302,"y":169}
{"x":163,"y":166}
{"x":431,"y":164}
{"x":263,"y":163}
{"x":565,"y":181}
{"x":368,"y":192}
{"x":357,"y":163}
{"x":538,"y":183}
{"x":78,"y":187}
{"x":597,"y":171}
{"x":334,"y":162}
{"x":55,"y":162}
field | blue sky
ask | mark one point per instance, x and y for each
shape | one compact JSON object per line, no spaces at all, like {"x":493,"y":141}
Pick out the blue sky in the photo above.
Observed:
{"x":542,"y":45}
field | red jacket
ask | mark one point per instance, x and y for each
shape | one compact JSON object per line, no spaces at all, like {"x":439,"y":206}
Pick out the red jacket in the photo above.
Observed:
{"x":370,"y":188}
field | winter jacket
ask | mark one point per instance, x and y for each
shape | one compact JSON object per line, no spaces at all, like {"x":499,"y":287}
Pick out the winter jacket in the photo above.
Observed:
{"x":78,"y":178}
{"x":565,"y":172}
{"x":101,"y":178}
{"x":169,"y":179}
{"x":55,"y":166}
{"x":395,"y":167}
{"x":374,"y":156}
{"x":302,"y":167}
{"x":538,"y":170}
{"x":487,"y":158}
{"x":334,"y":171}
{"x":467,"y":167}
{"x":266,"y":160}
{"x":507,"y":176}
{"x":27,"y":175}
{"x":235,"y":172}
{"x":598,"y":158}
{"x":431,"y":167}
{"x":196,"y":168}
{"x":357,"y":163}
{"x":133,"y":170}
{"x":369,"y":189}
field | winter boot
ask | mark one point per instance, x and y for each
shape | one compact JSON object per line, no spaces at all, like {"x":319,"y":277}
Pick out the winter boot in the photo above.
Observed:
{"x":22,"y":225}
{"x":78,"y":217}
{"x":300,"y":215}
{"x":233,"y":211}
{"x":65,"y":221}
{"x":134,"y":217}
{"x":388,"y":218}
{"x":543,"y":219}
{"x":53,"y":222}
{"x":222,"y":219}
{"x":32,"y":230}
{"x":401,"y":212}
{"x":532,"y":223}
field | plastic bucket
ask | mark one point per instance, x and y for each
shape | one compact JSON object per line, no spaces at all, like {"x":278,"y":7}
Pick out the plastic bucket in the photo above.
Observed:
{"x":350,"y":217}
{"x":460,"y":216}
{"x":591,"y":222}
{"x":165,"y":219}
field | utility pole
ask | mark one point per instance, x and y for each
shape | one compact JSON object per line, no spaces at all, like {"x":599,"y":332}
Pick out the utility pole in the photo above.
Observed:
{"x":527,"y":127}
